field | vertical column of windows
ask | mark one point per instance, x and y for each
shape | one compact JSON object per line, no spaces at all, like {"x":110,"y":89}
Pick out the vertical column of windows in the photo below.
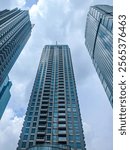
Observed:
{"x":74,"y":130}
{"x":55,"y":98}
{"x":31,"y":119}
{"x":62,"y":135}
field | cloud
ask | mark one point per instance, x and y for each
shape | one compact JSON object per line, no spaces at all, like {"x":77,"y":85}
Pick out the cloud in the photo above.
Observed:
{"x":10,"y":127}
{"x":95,"y":140}
{"x":9,"y":4}
{"x":19,"y":3}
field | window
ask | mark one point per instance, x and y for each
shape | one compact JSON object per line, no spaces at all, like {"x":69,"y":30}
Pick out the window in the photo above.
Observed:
{"x":28,"y":124}
{"x":69,"y":119}
{"x":55,"y":125}
{"x":33,"y":130}
{"x":75,"y":121}
{"x":36,"y":113}
{"x":77,"y":131}
{"x":55,"y":114}
{"x":77,"y":137}
{"x":48,"y":137}
{"x":24,"y":145}
{"x":69,"y":109}
{"x":55,"y":119}
{"x":25,"y":137}
{"x":55,"y":138}
{"x":50,"y":113}
{"x":37,"y":108}
{"x":50,"y":109}
{"x":34,"y":124}
{"x":50,"y":104}
{"x":75,"y":115}
{"x":35,"y":119}
{"x":32,"y":104}
{"x":49,"y":131}
{"x":69,"y":114}
{"x":70,"y":131}
{"x":75,"y":118}
{"x":30,"y":114}
{"x":30,"y":144}
{"x":72,"y":144}
{"x":32,"y":137}
{"x":78,"y":145}
{"x":49,"y":118}
{"x":54,"y":131}
{"x":27,"y":130}
{"x":56,"y":109}
{"x":70,"y":137}
{"x":32,"y":108}
{"x":29,"y":118}
{"x":76,"y":124}
{"x":49,"y":124}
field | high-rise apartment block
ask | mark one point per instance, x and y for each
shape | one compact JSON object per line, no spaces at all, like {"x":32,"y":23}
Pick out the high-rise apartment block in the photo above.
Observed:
{"x":53,"y":119}
{"x":99,"y":42}
{"x":15,"y":30}
{"x":4,"y":95}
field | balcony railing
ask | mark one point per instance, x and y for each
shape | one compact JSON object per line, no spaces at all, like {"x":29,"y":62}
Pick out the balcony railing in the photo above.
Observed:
{"x":50,"y":147}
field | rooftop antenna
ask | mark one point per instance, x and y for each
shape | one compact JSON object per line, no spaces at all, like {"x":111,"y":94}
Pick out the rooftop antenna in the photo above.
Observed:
{"x":56,"y":43}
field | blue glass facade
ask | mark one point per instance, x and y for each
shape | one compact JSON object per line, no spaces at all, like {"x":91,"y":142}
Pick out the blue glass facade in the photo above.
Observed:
{"x":53,"y":119}
{"x":4,"y":95}
{"x":15,"y":30}
{"x":14,"y":33}
{"x":99,"y":42}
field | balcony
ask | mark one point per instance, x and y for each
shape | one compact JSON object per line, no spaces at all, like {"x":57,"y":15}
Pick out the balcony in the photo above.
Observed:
{"x":62,"y":139}
{"x":41,"y":129}
{"x":41,"y":132}
{"x":61,"y":102}
{"x":45,"y":146}
{"x":61,"y":109}
{"x":62,"y":120}
{"x":61,"y":114}
{"x":63,"y":132}
{"x":40,"y":136}
{"x":42,"y":123}
{"x":62,"y":126}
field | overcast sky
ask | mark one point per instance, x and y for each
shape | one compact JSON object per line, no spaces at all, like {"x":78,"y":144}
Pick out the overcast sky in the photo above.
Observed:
{"x":62,"y":21}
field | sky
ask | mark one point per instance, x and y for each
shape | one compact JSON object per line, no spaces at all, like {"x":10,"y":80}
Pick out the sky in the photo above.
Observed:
{"x":62,"y":21}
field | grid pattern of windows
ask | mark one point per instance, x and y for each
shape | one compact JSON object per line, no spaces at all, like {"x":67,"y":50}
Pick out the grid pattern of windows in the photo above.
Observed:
{"x":98,"y":40}
{"x":15,"y":30}
{"x":53,"y":115}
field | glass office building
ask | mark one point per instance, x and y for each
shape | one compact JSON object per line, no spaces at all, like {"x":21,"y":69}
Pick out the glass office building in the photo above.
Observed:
{"x":15,"y":30}
{"x":99,"y":42}
{"x":53,"y":119}
{"x":4,"y":95}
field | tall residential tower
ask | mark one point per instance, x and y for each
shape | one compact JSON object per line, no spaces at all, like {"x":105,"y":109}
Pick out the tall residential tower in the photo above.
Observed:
{"x":99,"y":42}
{"x":53,"y":120}
{"x":15,"y":30}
